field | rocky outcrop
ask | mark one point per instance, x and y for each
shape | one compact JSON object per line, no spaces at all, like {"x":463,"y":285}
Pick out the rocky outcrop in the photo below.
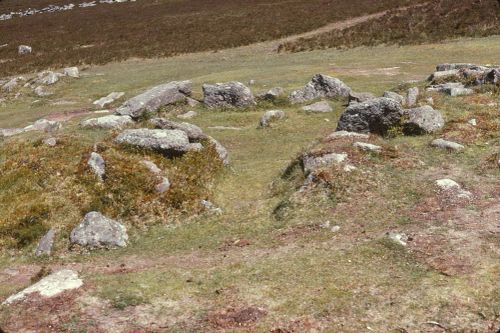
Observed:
{"x":227,"y":95}
{"x":24,"y":49}
{"x":168,"y":142}
{"x":320,"y":86}
{"x":270,"y":116}
{"x":151,"y":100}
{"x":422,"y":120}
{"x":374,"y":116}
{"x":108,"y":122}
{"x":98,"y":231}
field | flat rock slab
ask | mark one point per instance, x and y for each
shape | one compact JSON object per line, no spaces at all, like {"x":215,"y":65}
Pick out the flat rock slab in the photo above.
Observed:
{"x":192,"y":131}
{"x":163,"y":140}
{"x":322,"y":106}
{"x":49,"y":286}
{"x":108,"y":122}
{"x":448,"y":145}
{"x":151,"y":100}
{"x":98,"y":231}
{"x":346,"y":134}
{"x":451,"y":186}
{"x":367,"y":147}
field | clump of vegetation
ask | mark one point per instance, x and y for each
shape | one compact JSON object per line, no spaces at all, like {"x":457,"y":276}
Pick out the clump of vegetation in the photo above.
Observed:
{"x":72,"y":39}
{"x":433,"y":21}
{"x":52,"y":187}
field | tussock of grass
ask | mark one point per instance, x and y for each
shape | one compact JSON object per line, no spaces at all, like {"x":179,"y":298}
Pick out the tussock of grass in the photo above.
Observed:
{"x":52,"y":187}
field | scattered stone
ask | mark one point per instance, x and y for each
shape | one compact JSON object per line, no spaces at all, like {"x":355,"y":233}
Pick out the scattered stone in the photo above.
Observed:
{"x":374,"y":116}
{"x":151,"y":100}
{"x":151,"y":166}
{"x":44,"y":125}
{"x":49,"y":286}
{"x":492,"y":77}
{"x":346,"y":134}
{"x":272,"y":94}
{"x":355,"y":97}
{"x":47,"y":78}
{"x":24,"y":49}
{"x":412,"y":97}
{"x":71,"y":72}
{"x":398,"y":238}
{"x":322,"y":106}
{"x":192,"y":102}
{"x":108,"y":122}
{"x":448,"y":67}
{"x":227,"y":95}
{"x":367,"y":147}
{"x":169,"y":142}
{"x":163,"y":186}
{"x":97,"y":231}
{"x":320,"y":86}
{"x":97,"y":165}
{"x":193,"y":132}
{"x":270,"y":116}
{"x":422,"y":120}
{"x":251,"y":82}
{"x":51,"y":142}
{"x":311,"y":163}
{"x":11,"y":85}
{"x":448,"y":145}
{"x":452,"y":88}
{"x":444,"y":74}
{"x":221,"y":151}
{"x":451,"y":186}
{"x":108,"y":99}
{"x":45,"y":244}
{"x":188,"y":115}
{"x":211,"y":207}
{"x":472,"y":122}
{"x":41,"y":92}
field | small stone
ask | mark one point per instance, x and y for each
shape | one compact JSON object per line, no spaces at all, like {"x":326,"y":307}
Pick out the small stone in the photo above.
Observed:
{"x":322,"y":106}
{"x":108,"y":122}
{"x":398,"y":238}
{"x":97,"y":165}
{"x":51,"y":142}
{"x":192,"y":102}
{"x":110,"y":98}
{"x":472,"y":122}
{"x":44,"y":125}
{"x":368,"y":147}
{"x":24,"y":49}
{"x":311,"y":163}
{"x":151,"y":166}
{"x":449,"y":145}
{"x":71,"y":72}
{"x":45,"y":244}
{"x":412,"y":96}
{"x":211,"y":207}
{"x":188,"y":115}
{"x":451,"y":186}
{"x":355,"y":97}
{"x":272,"y":94}
{"x":270,"y":116}
{"x":346,"y":134}
{"x":163,"y":186}
{"x":41,"y":92}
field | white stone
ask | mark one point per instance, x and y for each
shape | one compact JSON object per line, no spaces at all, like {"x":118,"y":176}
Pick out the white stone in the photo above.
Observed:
{"x":110,"y":98}
{"x":50,"y":286}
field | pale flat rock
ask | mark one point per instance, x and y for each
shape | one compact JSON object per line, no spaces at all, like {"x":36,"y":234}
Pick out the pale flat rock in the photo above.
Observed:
{"x":346,"y":134}
{"x":193,"y":132}
{"x":449,"y":145}
{"x":453,"y":187}
{"x":270,"y":116}
{"x":110,"y":98}
{"x":11,"y":131}
{"x":322,"y":106}
{"x":367,"y":147}
{"x":51,"y":142}
{"x":108,"y":122}
{"x":187,"y":115}
{"x":49,"y":286}
{"x":71,"y":72}
{"x":162,"y":140}
{"x":44,"y":125}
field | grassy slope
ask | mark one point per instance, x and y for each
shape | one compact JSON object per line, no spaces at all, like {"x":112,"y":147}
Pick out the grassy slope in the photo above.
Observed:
{"x":303,"y":276}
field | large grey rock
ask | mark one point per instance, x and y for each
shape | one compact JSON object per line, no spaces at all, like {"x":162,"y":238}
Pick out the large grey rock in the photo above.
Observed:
{"x":97,"y":164}
{"x":374,"y":116}
{"x":97,"y":231}
{"x":45,"y":244}
{"x":71,"y":72}
{"x":412,"y":97}
{"x":322,"y":106}
{"x":170,"y":142}
{"x":422,"y":120}
{"x":193,"y":132}
{"x":44,"y":125}
{"x":355,"y":97}
{"x":110,"y":98}
{"x":227,"y":95}
{"x":151,"y":100}
{"x":50,"y":286}
{"x":320,"y":86}
{"x":395,"y":96}
{"x":270,"y":116}
{"x":24,"y":49}
{"x":448,"y":145}
{"x":108,"y":122}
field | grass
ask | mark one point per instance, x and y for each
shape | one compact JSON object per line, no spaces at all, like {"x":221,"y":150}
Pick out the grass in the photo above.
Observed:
{"x":305,"y":277}
{"x":433,"y":21}
{"x":161,"y":28}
